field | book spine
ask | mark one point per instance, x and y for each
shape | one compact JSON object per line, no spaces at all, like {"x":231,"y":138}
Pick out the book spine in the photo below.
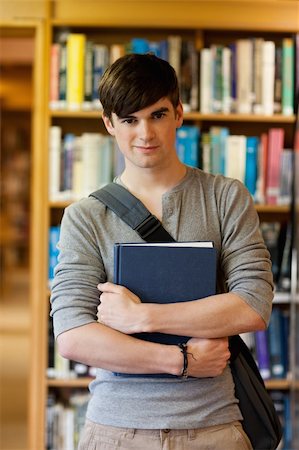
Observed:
{"x":54,"y":233}
{"x":54,"y":76}
{"x":88,"y":74}
{"x":75,"y":70}
{"x":268,"y":76}
{"x":244,"y":75}
{"x":276,"y":345}
{"x":205,"y":80}
{"x":276,"y":142}
{"x":62,"y":76}
{"x":236,"y":157}
{"x":252,"y":143}
{"x":54,"y":161}
{"x":262,"y":353}
{"x":257,"y":74}
{"x":288,"y":76}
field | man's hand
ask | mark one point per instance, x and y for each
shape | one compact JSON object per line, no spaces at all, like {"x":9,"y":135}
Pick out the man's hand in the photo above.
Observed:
{"x":119,"y":308}
{"x":207,"y":357}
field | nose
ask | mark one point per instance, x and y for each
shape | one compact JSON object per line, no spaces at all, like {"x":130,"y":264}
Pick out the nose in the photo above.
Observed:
{"x":146,"y":131}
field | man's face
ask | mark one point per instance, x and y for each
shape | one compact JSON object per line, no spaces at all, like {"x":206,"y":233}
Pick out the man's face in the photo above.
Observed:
{"x":147,"y":137}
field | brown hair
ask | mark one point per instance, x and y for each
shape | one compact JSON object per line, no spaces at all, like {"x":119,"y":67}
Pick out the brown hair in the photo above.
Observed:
{"x":136,"y":81}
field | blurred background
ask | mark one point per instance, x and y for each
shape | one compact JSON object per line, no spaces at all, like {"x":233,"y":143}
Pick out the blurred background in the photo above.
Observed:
{"x":16,"y":67}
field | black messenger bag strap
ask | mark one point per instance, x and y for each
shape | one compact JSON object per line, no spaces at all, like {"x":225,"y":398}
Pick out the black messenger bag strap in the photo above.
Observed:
{"x":133,"y":212}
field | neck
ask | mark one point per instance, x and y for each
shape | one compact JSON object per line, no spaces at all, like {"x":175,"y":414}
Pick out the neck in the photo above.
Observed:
{"x":150,"y":186}
{"x":148,"y":182}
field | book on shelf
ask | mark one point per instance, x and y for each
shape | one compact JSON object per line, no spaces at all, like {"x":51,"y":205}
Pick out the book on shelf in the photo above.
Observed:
{"x":257,"y":74}
{"x":88,"y":75}
{"x":187,"y":145}
{"x":268,"y":76}
{"x":252,"y":143}
{"x":278,"y":80}
{"x":78,"y":165}
{"x":157,"y":273}
{"x":244,"y":49}
{"x":65,"y":421}
{"x":276,"y":345}
{"x":275,"y":148}
{"x":236,"y":157}
{"x":262,"y":353}
{"x":75,"y":70}
{"x":205,"y":88}
{"x":288,"y":75}
{"x":54,"y":75}
{"x":100,"y":64}
{"x":55,"y":142}
{"x":54,"y":233}
{"x":218,"y":149}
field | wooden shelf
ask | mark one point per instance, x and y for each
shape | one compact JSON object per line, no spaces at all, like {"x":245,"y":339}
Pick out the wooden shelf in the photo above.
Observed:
{"x":278,"y":384}
{"x":69,"y":382}
{"x":277,"y":118}
{"x":84,"y":382}
{"x":265,"y":209}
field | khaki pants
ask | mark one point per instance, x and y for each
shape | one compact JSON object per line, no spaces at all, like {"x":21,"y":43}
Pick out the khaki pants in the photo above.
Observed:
{"x":229,"y":436}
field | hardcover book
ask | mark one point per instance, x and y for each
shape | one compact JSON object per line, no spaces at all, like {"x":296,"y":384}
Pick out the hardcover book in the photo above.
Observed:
{"x":166,"y":273}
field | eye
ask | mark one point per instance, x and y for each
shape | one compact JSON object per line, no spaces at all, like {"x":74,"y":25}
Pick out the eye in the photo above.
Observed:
{"x":129,"y":120}
{"x":159,"y":115}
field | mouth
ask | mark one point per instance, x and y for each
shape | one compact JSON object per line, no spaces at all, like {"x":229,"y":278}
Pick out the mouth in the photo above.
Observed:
{"x":146,"y":149}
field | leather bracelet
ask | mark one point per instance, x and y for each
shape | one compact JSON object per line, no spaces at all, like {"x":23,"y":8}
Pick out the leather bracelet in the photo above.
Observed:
{"x":183,"y":349}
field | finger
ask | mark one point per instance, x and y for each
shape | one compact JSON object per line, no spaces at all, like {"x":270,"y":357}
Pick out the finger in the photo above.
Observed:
{"x":109,"y":287}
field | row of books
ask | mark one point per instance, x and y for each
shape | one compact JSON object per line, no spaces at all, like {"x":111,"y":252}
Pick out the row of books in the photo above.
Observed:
{"x":270,"y":347}
{"x":79,"y":165}
{"x":282,"y":405}
{"x":65,"y":421}
{"x":60,"y":367}
{"x":278,"y":239}
{"x":77,"y":65}
{"x":251,"y":76}
{"x":260,"y":162}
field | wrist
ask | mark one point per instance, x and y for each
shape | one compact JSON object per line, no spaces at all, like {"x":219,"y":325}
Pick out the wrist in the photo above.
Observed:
{"x":184,"y":351}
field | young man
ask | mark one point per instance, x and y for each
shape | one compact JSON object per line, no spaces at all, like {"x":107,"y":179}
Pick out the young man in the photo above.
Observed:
{"x":142,"y":110}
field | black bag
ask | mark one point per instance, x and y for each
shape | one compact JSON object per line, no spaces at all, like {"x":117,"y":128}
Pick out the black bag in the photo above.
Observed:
{"x":260,"y":419}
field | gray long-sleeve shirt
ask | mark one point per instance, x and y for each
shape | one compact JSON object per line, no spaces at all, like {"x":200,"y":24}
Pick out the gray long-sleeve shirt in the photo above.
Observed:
{"x":201,"y":207}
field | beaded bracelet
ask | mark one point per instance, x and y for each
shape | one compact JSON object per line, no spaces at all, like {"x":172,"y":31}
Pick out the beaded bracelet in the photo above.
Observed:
{"x":183,"y":348}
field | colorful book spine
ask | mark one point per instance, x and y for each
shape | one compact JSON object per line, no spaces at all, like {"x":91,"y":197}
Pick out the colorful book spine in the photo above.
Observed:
{"x":276,"y":346}
{"x":236,"y":157}
{"x":268,"y":77}
{"x":262,"y":353}
{"x":188,"y":145}
{"x":54,"y":233}
{"x":288,"y":67}
{"x":54,"y":161}
{"x":205,"y":90}
{"x":88,"y":75}
{"x":75,"y":70}
{"x":275,"y":148}
{"x":252,"y":143}
{"x":54,"y":76}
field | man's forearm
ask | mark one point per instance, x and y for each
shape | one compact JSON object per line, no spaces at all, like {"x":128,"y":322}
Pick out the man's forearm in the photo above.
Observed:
{"x":99,"y":346}
{"x":216,"y":316}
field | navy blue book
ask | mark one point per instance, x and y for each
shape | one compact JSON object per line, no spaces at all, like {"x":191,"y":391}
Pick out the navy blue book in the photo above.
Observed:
{"x":166,"y":273}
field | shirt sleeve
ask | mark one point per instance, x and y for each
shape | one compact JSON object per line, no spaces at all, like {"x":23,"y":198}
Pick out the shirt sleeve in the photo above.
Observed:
{"x":245,"y":260}
{"x":74,"y":295}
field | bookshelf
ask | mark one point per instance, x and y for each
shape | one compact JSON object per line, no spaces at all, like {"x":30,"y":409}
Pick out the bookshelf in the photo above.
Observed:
{"x":108,"y":21}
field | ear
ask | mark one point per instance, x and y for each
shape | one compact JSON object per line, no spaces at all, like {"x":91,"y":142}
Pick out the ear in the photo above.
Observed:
{"x":179,"y":115}
{"x":109,"y":125}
